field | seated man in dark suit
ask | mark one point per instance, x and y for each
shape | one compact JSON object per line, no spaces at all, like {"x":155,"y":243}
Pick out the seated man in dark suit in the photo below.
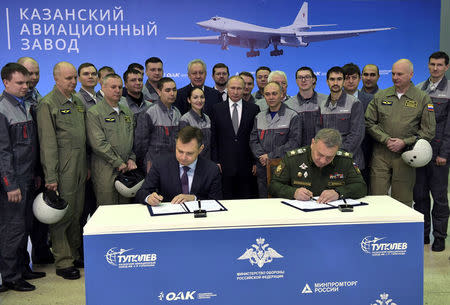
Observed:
{"x":197,"y":76}
{"x":183,"y":177}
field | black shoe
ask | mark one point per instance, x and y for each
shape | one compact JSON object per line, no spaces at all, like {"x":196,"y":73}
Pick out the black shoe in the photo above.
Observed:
{"x":78,"y":263}
{"x":19,"y":285}
{"x":426,"y":240}
{"x":438,"y":245}
{"x":31,"y":275}
{"x":3,"y":288}
{"x":70,"y":273}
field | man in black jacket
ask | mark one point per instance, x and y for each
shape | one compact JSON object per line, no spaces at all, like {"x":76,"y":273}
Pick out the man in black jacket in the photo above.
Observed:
{"x":183,"y":177}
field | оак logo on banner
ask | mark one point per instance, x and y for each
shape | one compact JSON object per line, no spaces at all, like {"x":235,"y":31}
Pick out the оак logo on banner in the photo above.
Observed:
{"x":371,"y":245}
{"x":260,"y":254}
{"x":117,"y":257}
{"x":185,"y":295}
{"x":384,"y":300}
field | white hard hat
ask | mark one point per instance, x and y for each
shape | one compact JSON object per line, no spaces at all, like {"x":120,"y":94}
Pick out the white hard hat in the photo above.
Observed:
{"x":128,"y":183}
{"x":419,"y":155}
{"x":49,"y":208}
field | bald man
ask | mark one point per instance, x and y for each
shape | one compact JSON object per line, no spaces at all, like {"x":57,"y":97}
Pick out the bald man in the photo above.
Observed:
{"x":62,"y":135}
{"x":396,"y":118}
{"x":33,"y":95}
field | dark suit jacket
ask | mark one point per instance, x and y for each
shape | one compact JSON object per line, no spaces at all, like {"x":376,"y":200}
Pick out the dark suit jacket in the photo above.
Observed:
{"x":230,"y":150}
{"x":212,"y":96}
{"x":164,"y":178}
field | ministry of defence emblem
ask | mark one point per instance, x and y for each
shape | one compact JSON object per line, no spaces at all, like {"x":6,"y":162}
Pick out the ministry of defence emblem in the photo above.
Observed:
{"x":384,"y":300}
{"x":260,"y":254}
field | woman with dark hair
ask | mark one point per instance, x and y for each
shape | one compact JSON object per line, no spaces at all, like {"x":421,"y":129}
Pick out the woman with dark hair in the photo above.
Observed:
{"x":196,"y":118}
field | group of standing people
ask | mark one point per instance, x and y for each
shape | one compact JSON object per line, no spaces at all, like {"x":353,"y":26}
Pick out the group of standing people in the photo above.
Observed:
{"x":79,"y":143}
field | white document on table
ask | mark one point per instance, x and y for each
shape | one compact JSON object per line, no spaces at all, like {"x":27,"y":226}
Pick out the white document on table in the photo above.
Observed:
{"x":207,"y":205}
{"x":314,"y":205}
{"x":168,"y":208}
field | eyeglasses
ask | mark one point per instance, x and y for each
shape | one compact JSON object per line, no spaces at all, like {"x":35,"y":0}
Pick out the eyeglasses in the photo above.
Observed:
{"x":307,"y":77}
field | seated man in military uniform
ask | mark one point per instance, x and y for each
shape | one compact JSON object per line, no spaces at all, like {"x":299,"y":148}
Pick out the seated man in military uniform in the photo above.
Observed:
{"x":319,"y":170}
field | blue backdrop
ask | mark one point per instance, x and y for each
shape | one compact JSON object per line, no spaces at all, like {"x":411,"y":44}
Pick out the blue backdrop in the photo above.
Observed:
{"x":116,"y":33}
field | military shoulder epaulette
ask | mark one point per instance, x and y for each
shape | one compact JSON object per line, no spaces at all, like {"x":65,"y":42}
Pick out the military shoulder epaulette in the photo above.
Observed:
{"x":297,"y":151}
{"x":344,"y":154}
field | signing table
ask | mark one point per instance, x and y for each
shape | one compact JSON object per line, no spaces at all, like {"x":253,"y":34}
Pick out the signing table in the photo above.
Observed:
{"x":257,"y":252}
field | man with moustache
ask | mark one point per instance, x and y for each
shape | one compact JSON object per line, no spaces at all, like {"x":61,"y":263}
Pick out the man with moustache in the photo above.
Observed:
{"x":220,"y":74}
{"x":344,"y":112}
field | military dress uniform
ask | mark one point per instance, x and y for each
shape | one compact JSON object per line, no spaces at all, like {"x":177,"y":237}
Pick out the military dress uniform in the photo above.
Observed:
{"x":62,"y":137}
{"x":409,"y":118}
{"x":110,"y":135}
{"x":433,"y":178}
{"x":297,"y":169}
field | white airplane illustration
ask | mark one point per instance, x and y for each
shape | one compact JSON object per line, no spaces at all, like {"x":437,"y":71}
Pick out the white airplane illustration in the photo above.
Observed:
{"x":246,"y":35}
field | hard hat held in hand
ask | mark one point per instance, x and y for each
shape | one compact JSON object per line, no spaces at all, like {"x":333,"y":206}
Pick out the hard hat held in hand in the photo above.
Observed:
{"x":49,"y":208}
{"x":419,"y":155}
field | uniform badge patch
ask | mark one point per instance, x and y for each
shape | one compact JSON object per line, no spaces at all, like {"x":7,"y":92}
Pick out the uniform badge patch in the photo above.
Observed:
{"x":336,"y":176}
{"x":430,"y":107}
{"x":279,"y":168}
{"x":411,"y":104}
{"x":110,"y":120}
{"x":303,"y":166}
{"x":387,"y":103}
{"x":127,"y":118}
{"x":65,"y":111}
{"x":80,"y":108}
{"x":356,"y":168}
{"x":304,"y":183}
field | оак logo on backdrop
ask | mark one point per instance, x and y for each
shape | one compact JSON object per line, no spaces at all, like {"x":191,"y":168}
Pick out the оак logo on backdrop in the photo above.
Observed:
{"x":117,"y":257}
{"x":185,"y":295}
{"x":261,"y":254}
{"x":384,"y":300}
{"x":372,"y":246}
